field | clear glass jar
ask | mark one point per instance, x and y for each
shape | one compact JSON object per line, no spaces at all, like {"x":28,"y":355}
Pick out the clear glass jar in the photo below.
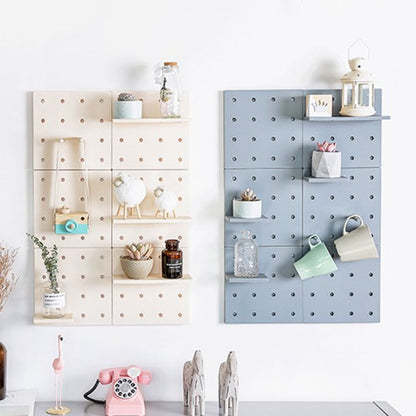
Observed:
{"x":53,"y":301}
{"x":246,"y":256}
{"x":170,"y":92}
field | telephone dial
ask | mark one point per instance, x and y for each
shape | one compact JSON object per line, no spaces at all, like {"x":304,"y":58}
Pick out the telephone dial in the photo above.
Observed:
{"x":124,"y":398}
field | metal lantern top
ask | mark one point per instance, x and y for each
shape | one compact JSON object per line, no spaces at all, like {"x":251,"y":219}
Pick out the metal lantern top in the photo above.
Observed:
{"x":358,"y":71}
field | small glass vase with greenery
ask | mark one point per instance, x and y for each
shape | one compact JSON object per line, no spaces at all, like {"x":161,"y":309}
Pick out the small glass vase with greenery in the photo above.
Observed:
{"x":53,"y":294}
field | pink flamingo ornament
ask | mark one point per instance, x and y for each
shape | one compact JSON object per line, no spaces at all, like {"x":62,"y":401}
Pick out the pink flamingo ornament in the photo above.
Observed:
{"x":58,"y":365}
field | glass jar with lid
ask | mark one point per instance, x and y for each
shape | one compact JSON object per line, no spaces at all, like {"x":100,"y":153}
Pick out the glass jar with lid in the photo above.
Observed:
{"x":172,"y":260}
{"x":170,"y":92}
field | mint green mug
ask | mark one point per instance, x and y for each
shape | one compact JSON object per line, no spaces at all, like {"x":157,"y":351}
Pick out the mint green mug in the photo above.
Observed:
{"x":316,"y":261}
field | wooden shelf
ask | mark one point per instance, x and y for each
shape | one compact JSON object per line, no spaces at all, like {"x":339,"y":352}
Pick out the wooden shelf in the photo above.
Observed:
{"x":150,"y":220}
{"x":246,"y":220}
{"x":149,"y":280}
{"x":150,"y":120}
{"x":312,"y":179}
{"x":40,"y":319}
{"x":347,"y":119}
{"x":261,"y":278}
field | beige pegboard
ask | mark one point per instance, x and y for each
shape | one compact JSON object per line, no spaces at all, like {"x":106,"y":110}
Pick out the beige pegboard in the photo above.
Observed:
{"x":142,"y":146}
{"x":66,"y":114}
{"x":151,"y":148}
{"x":86,"y":276}
{"x":72,"y":193}
{"x":157,"y":302}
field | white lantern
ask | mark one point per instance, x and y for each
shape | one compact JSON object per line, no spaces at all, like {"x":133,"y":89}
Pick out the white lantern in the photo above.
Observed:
{"x":357,"y":90}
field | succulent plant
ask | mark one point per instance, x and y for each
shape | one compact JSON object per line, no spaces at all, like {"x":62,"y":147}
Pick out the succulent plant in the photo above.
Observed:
{"x":126,"y":96}
{"x":140,"y":251}
{"x":326,"y":147}
{"x":248,"y":195}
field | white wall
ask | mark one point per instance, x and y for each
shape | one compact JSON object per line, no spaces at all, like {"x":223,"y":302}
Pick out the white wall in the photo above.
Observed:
{"x":105,"y":45}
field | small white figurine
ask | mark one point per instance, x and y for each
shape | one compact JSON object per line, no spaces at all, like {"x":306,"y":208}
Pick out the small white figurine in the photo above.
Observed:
{"x":129,"y":193}
{"x":165,"y":202}
{"x":194,"y":385}
{"x":228,"y":386}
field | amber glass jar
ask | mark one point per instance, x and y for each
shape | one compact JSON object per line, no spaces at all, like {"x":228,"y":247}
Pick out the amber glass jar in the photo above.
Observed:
{"x":3,"y":370}
{"x":172,"y":260}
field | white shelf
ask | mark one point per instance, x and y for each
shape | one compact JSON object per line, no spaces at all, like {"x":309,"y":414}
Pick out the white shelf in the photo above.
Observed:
{"x":150,"y":280}
{"x":261,"y":278}
{"x":150,"y":220}
{"x":40,"y":319}
{"x":150,"y":120}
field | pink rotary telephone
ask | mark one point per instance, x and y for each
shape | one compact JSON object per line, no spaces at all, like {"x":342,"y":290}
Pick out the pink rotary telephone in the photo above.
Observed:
{"x":124,"y":397}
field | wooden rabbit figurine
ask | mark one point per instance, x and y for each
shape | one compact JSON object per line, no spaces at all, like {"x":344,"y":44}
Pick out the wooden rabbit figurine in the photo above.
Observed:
{"x":228,"y":383}
{"x":194,"y":385}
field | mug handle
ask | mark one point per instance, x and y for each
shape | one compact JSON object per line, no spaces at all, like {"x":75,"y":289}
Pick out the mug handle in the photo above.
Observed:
{"x":354,"y":216}
{"x":314,"y":237}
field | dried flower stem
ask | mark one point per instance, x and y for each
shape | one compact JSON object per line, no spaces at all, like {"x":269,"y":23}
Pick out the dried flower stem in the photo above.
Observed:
{"x":8,"y":278}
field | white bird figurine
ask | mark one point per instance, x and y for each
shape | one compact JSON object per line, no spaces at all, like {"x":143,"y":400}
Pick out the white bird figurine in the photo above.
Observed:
{"x":58,"y":365}
{"x":129,"y":193}
{"x":165,"y":202}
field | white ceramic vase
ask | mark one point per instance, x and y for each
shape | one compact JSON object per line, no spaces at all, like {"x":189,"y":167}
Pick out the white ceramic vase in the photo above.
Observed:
{"x":128,"y":109}
{"x":247,"y":209}
{"x":326,"y":164}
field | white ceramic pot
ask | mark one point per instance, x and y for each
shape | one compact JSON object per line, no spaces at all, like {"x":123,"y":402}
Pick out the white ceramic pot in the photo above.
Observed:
{"x":136,"y":269}
{"x":247,"y":209}
{"x":326,"y":164}
{"x":128,"y":109}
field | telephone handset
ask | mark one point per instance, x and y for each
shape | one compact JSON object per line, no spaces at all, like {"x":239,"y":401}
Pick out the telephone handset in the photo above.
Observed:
{"x":124,"y":397}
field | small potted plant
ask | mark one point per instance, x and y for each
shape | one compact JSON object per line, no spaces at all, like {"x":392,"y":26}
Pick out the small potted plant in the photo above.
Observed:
{"x":137,"y":263}
{"x":248,"y":206}
{"x":53,"y":294}
{"x":326,"y":161}
{"x":127,"y":106}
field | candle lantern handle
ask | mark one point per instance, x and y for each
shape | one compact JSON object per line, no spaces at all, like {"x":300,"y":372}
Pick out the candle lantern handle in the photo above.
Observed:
{"x":358,"y":41}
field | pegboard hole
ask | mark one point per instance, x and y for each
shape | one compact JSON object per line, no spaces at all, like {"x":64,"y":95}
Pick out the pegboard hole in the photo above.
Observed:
{"x":160,"y":315}
{"x":371,"y":177}
{"x":180,"y":140}
{"x":331,"y":275}
{"x":101,"y":276}
{"x":234,"y":159}
{"x":140,"y":159}
{"x":122,"y":315}
{"x":141,"y":295}
{"x":254,"y":314}
{"x":332,"y":294}
{"x":312,"y":217}
{"x":254,"y":295}
{"x":352,"y":157}
{"x":253,"y":158}
{"x":234,"y":99}
{"x":63,"y":238}
{"x":273,"y":294}
{"x":234,"y":313}
{"x":160,"y":295}
{"x":332,"y":138}
{"x":102,"y":315}
{"x":82,"y":101}
{"x":141,"y":315}
{"x":351,"y":275}
{"x":160,"y":159}
{"x":82,"y":237}
{"x":43,"y":160}
{"x":253,"y":178}
{"x":42,"y":140}
{"x":180,"y":295}
{"x":273,"y":139}
{"x":43,"y":199}
{"x":253,"y":139}
{"x":160,"y":140}
{"x":371,"y":216}
{"x":43,"y":101}
{"x":370,"y":294}
{"x":332,"y":216}
{"x":180,"y":159}
{"x":82,"y":296}
{"x":234,"y":295}
{"x":312,"y":139}
{"x":293,"y":138}
{"x":180,"y":315}
{"x":351,"y":294}
{"x":351,"y":177}
{"x":101,"y":120}
{"x":312,"y":294}
{"x":101,"y":100}
{"x":273,"y":197}
{"x":352,"y":138}
{"x":331,"y":313}
{"x":292,"y":236}
{"x":273,"y":178}
{"x":253,"y":119}
{"x":62,"y":120}
{"x":273,"y":313}
{"x":293,"y":99}
{"x":121,"y":295}
{"x":371,"y":157}
{"x":83,"y":315}
{"x":273,"y":118}
{"x":42,"y":120}
{"x":273,"y":217}
{"x":273,"y":236}
{"x":253,"y":99}
{"x":292,"y":313}
{"x":273,"y":275}
{"x":273,"y":158}
{"x":292,"y":216}
{"x":292,"y":197}
{"x":82,"y":120}
{"x":292,"y":119}
{"x":351,"y":313}
{"x":43,"y":218}
{"x":273,"y":256}
{"x":233,"y":119}
{"x":331,"y":197}
{"x":371,"y":196}
{"x":273,"y":99}
{"x":83,"y":276}
{"x":234,"y":139}
{"x":293,"y":294}
{"x":371,"y":138}
{"x":140,"y":139}
{"x":312,"y":313}
{"x":292,"y":158}
{"x":234,"y":178}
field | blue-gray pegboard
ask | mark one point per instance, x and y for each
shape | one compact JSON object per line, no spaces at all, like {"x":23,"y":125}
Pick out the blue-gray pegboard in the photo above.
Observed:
{"x":267,"y":146}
